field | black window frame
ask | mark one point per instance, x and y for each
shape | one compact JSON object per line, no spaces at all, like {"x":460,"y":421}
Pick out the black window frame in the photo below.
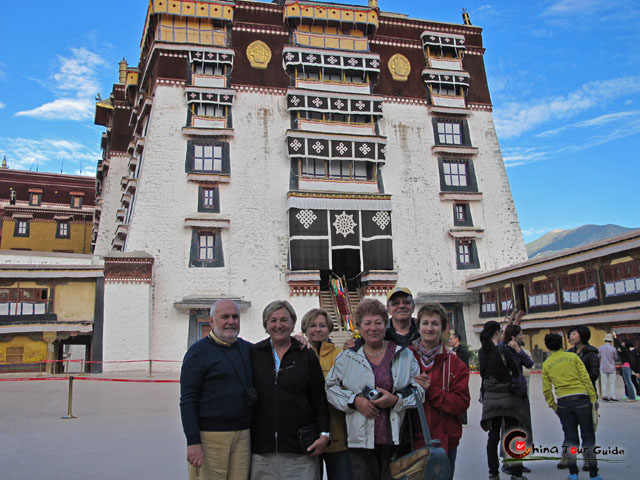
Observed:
{"x":465,"y":139}
{"x":466,"y":209}
{"x":59,"y":223}
{"x":71,"y":201}
{"x":201,"y":199}
{"x":190,"y":156}
{"x":194,"y":260}
{"x":473,"y":254}
{"x":471,"y":186}
{"x":33,"y":196}
{"x":16,"y":228}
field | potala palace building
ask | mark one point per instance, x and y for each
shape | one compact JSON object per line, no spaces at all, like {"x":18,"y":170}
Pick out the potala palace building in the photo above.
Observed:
{"x":259,"y":149}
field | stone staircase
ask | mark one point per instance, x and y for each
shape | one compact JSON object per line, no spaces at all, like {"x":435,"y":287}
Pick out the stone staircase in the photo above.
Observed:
{"x":339,"y":335}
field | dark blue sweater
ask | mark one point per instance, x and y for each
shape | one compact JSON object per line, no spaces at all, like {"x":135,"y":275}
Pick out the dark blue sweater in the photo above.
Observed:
{"x":212,"y":381}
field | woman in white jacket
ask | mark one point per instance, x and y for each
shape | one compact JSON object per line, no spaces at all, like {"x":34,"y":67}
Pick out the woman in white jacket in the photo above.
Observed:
{"x":377,"y":366}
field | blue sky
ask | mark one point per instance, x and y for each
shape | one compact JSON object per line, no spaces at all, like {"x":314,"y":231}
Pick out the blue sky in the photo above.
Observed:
{"x":564,"y":77}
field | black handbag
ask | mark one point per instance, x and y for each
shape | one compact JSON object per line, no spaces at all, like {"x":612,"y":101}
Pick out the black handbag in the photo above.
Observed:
{"x":306,"y":436}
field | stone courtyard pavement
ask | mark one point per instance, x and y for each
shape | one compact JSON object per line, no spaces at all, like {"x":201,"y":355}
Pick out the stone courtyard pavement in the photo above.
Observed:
{"x":133,"y":431}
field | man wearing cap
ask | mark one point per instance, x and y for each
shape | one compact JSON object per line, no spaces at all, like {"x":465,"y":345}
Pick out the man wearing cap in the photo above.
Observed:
{"x":402,"y":328}
{"x":608,"y":356}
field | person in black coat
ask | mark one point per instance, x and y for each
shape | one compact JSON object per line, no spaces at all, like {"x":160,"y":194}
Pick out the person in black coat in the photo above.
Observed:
{"x":291,"y":402}
{"x":458,"y":348}
{"x":579,"y":340}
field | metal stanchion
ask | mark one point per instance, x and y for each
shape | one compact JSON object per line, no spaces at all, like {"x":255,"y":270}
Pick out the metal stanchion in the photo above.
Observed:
{"x":70,"y":400}
{"x":40,"y":367}
{"x":150,"y":373}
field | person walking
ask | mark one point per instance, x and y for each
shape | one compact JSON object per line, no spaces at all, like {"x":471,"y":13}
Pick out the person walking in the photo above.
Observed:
{"x":608,"y":358}
{"x":625,"y":365}
{"x":565,"y":373}
{"x":501,"y":407}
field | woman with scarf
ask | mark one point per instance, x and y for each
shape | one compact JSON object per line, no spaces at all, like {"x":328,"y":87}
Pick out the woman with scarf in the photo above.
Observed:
{"x":445,"y":379}
{"x":500,"y":405}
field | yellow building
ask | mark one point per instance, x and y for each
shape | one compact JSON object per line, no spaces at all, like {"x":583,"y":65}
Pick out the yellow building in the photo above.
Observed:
{"x":50,"y":309}
{"x":46,"y":212}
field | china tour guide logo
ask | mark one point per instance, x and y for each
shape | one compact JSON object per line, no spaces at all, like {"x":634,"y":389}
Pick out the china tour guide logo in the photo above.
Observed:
{"x":515,"y":444}
{"x":520,"y":445}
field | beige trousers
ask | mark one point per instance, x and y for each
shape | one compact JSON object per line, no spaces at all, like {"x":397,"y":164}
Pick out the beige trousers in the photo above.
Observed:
{"x":227,"y":456}
{"x":284,"y":466}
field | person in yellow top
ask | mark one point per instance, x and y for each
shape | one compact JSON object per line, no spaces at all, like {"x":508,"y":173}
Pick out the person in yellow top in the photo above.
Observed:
{"x":565,"y":372}
{"x":317,"y":326}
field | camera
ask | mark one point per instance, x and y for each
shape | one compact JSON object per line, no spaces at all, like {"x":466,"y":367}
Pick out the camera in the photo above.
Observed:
{"x":371,"y":393}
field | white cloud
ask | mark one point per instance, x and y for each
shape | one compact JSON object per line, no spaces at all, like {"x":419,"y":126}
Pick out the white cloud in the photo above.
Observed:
{"x":76,"y":84}
{"x":49,"y":155}
{"x":513,"y":119}
{"x":574,"y":7}
{"x":62,"y":109}
{"x":592,"y":122}
{"x":2,"y":105}
{"x":514,"y":157}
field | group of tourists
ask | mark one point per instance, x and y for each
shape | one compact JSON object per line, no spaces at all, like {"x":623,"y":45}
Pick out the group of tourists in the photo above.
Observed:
{"x":292,"y":406}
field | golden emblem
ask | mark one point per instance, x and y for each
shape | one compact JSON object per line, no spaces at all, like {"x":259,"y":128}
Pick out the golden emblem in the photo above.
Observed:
{"x":259,"y":54}
{"x":399,"y":67}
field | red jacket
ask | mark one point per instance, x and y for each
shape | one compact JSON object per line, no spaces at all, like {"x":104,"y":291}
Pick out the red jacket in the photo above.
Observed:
{"x":445,"y":400}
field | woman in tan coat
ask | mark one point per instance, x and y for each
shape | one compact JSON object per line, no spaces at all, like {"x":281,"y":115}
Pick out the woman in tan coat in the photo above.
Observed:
{"x":316,"y":326}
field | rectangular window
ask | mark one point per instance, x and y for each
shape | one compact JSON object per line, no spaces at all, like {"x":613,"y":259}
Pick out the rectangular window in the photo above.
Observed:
{"x":340,"y":169}
{"x":621,"y":279}
{"x":15,"y":354}
{"x":313,"y":168}
{"x":206,"y":249}
{"x":462,"y":215}
{"x":206,"y":246}
{"x":449,"y":132}
{"x":306,"y":75}
{"x":354,"y":78}
{"x":542,"y":293}
{"x":63,"y":230}
{"x":457,"y":175}
{"x":331,"y":75}
{"x":579,"y":288}
{"x":208,"y":199}
{"x":466,"y":254}
{"x":444,"y":89}
{"x":201,"y":68}
{"x":488,"y":304}
{"x":207,"y":158}
{"x":76,"y":201}
{"x":35,"y":199}
{"x":21,"y":228}
{"x":210,"y":110}
{"x":506,"y":300}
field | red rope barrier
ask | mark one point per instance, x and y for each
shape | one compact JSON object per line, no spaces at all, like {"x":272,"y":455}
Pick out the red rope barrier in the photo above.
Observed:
{"x":95,"y":379}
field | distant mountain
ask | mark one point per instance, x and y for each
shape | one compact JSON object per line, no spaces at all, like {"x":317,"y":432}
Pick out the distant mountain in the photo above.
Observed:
{"x":557,"y":240}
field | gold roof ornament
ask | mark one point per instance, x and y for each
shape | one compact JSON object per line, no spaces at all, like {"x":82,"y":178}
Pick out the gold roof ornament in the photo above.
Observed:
{"x":259,"y":54}
{"x":400,"y":67}
{"x":373,"y":3}
{"x":4,"y":162}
